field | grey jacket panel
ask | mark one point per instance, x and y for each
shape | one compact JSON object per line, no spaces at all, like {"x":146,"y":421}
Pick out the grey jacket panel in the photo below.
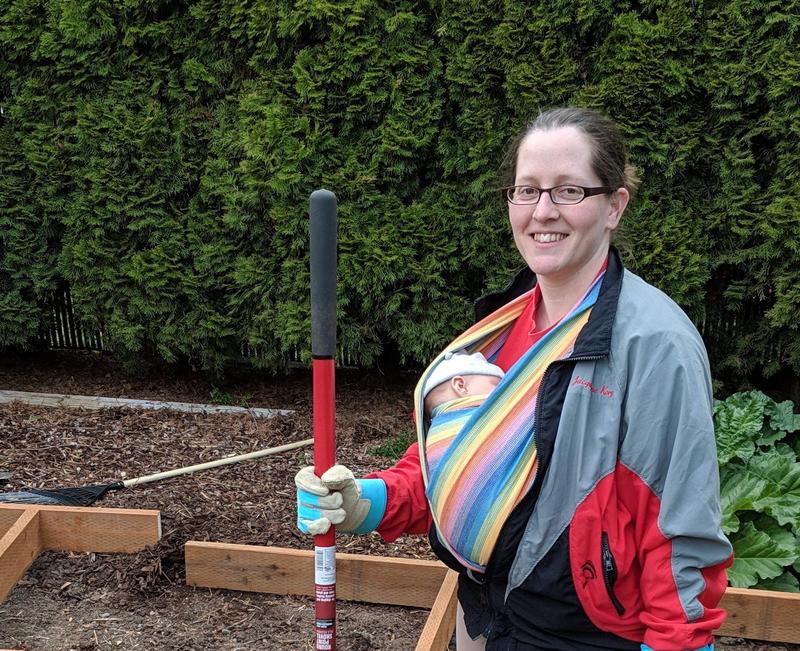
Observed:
{"x":647,"y":405}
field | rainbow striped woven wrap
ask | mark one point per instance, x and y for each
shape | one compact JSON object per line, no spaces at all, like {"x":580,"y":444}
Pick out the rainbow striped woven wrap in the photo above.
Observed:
{"x":479,"y":460}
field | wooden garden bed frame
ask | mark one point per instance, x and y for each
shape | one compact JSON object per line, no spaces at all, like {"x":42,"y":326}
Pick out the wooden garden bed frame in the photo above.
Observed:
{"x":753,"y":614}
{"x":27,"y":530}
{"x":371,"y":579}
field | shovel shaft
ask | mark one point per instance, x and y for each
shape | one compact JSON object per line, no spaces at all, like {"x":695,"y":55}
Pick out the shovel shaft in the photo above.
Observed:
{"x":322,"y":209}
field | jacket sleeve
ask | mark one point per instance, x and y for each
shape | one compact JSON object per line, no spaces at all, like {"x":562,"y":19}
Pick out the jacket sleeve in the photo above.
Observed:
{"x":406,"y":505}
{"x":671,"y":489}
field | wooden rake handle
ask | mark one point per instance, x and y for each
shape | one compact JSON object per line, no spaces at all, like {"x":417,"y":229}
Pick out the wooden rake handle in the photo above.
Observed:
{"x":214,"y":464}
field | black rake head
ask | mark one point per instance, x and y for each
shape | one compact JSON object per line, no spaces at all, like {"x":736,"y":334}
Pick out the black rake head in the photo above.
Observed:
{"x":78,"y":496}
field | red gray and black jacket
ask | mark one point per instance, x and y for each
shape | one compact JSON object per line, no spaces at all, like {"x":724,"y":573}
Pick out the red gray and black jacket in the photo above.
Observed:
{"x":618,"y":542}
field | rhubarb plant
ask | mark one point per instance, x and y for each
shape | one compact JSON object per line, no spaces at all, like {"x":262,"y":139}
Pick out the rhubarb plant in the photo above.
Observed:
{"x":758,"y":447}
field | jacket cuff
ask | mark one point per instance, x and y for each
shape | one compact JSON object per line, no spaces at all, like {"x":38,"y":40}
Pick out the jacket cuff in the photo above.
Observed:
{"x":374,"y":491}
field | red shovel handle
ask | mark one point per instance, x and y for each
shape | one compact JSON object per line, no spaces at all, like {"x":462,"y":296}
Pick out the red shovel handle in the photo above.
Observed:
{"x":322,"y":208}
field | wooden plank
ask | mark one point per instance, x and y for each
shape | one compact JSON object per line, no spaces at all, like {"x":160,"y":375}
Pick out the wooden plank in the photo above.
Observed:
{"x":374,"y":579}
{"x":89,"y":529}
{"x":8,"y":516}
{"x":19,"y":547}
{"x":99,"y":402}
{"x":762,"y":615}
{"x":441,"y":623}
{"x":72,"y":528}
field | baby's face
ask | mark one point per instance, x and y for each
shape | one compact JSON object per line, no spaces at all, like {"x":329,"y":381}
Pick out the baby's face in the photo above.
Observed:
{"x":480,"y":384}
{"x":458,"y":387}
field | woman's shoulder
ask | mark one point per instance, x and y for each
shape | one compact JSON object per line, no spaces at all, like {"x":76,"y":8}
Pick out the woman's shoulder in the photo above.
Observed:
{"x":645,"y":310}
{"x":653,"y":337}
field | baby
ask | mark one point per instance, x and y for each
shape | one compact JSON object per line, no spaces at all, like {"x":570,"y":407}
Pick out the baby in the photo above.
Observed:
{"x":459,"y":375}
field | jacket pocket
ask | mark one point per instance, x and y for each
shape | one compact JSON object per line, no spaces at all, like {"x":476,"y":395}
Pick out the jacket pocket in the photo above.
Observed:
{"x":610,"y":572}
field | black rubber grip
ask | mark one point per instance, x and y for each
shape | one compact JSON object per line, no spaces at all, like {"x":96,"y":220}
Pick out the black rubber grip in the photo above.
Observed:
{"x":322,"y":208}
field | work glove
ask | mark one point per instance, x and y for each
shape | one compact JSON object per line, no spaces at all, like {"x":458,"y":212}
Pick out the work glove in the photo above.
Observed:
{"x":353,"y":505}
{"x":707,"y":647}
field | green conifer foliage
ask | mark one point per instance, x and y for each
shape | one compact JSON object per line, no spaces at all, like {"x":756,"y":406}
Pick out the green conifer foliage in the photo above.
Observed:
{"x":158,"y":156}
{"x":754,"y":93}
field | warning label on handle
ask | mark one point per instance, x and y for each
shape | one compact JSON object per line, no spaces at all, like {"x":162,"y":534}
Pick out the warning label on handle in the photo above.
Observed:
{"x":325,"y":565}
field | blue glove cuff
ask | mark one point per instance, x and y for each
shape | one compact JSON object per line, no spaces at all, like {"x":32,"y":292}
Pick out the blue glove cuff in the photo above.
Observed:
{"x":707,"y":647}
{"x":373,"y":490}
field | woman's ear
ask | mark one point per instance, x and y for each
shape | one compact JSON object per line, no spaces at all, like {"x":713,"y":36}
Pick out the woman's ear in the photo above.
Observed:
{"x":459,"y":385}
{"x":619,"y":201}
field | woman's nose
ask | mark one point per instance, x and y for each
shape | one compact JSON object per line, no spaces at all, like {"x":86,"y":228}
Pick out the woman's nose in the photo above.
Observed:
{"x":545,"y":209}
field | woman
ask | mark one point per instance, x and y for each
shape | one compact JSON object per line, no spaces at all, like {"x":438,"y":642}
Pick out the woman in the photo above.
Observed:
{"x":583,"y":510}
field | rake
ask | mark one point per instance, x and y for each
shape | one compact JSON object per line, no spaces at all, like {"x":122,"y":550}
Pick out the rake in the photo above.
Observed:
{"x":87,"y":495}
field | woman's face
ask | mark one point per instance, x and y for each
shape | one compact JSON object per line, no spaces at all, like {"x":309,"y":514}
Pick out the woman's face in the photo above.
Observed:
{"x":557,"y":241}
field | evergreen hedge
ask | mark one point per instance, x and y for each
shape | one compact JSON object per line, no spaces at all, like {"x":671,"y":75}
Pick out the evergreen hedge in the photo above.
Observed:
{"x":157,"y":156}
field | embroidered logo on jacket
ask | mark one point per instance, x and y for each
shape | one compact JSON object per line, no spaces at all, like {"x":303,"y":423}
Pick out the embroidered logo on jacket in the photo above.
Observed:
{"x":603,"y":391}
{"x":588,"y":572}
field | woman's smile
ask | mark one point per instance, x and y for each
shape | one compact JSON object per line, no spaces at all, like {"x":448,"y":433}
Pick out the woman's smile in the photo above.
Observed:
{"x":548,"y":238}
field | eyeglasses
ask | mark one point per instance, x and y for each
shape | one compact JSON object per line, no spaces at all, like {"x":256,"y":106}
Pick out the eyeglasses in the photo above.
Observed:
{"x":527,"y":195}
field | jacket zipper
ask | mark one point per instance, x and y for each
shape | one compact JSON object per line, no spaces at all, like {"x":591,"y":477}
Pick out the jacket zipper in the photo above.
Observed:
{"x":610,"y":573}
{"x":487,"y":631}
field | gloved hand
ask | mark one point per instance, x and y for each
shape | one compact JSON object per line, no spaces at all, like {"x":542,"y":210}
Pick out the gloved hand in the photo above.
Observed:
{"x":354,"y":505}
{"x":707,"y":647}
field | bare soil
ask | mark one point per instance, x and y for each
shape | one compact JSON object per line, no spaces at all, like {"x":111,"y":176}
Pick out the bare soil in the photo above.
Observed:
{"x":87,"y":602}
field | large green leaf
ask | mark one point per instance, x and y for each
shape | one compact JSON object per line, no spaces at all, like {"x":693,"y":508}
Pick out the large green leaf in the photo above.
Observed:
{"x":782,"y":536}
{"x":738,"y":421}
{"x":769,"y":436}
{"x":786,"y":582}
{"x":781,"y":473}
{"x":782,"y":416}
{"x":738,"y":491}
{"x":756,"y":557}
{"x":788,"y":541}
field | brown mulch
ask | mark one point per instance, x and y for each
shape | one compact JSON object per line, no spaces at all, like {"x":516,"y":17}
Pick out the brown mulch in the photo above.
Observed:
{"x":140,"y":601}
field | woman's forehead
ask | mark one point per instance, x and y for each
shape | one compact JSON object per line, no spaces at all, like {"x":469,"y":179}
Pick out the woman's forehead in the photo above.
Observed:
{"x":560,"y":152}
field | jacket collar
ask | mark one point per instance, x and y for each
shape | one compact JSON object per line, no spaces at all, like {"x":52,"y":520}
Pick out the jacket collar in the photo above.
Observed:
{"x":595,"y":338}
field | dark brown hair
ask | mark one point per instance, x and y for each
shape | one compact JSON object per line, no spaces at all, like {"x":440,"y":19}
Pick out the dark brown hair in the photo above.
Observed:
{"x":609,"y":154}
